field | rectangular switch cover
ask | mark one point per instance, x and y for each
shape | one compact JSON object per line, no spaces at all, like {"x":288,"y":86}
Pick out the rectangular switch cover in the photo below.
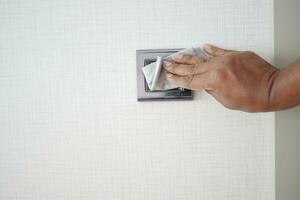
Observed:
{"x":145,"y":57}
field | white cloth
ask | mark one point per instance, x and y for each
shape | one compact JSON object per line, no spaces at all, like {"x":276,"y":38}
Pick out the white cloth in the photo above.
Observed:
{"x":155,"y":74}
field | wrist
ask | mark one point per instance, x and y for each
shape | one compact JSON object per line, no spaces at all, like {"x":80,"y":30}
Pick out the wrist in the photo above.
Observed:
{"x":284,"y":91}
{"x":273,"y":90}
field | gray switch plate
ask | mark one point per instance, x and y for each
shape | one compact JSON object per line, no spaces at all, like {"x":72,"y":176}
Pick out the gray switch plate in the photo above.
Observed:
{"x":145,"y":57}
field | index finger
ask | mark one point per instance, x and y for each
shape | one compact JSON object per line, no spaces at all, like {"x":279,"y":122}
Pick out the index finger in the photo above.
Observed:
{"x":184,"y":70}
{"x":187,"y":59}
{"x":215,"y":51}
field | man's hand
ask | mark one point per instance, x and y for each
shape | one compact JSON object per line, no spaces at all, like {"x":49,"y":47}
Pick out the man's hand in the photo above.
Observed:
{"x":238,"y":79}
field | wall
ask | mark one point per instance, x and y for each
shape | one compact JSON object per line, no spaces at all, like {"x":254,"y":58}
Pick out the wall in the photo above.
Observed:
{"x":287,"y":43}
{"x":70,"y":125}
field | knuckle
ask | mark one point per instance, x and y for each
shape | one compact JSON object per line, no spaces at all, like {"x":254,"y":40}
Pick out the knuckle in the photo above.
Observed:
{"x":220,"y":52}
{"x":196,"y":59}
{"x":186,"y":57}
{"x":214,"y":50}
{"x":249,"y":53}
{"x":218,"y":75}
{"x":192,"y":69}
{"x":173,"y":68}
{"x":232,"y":60}
{"x":229,"y":59}
{"x":189,"y":80}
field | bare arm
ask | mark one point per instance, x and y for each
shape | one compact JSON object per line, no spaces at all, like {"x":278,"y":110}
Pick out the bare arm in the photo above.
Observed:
{"x":239,"y":80}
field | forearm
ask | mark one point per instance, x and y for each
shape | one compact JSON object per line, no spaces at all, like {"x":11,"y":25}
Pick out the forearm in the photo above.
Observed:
{"x":285,"y":92}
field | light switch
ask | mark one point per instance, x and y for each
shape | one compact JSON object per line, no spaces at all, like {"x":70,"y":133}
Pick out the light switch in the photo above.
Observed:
{"x":145,"y":57}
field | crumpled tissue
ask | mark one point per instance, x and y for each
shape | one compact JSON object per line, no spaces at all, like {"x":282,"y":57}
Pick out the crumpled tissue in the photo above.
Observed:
{"x":155,"y":75}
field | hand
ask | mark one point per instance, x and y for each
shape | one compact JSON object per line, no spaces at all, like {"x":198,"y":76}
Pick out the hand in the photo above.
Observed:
{"x":237,"y":79}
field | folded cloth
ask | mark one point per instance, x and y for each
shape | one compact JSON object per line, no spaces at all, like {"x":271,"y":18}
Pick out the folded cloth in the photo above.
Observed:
{"x":155,"y":74}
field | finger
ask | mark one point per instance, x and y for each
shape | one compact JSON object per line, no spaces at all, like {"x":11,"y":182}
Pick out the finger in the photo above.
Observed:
{"x":187,"y":59}
{"x":193,"y":82}
{"x":214,"y":50}
{"x":185,"y":70}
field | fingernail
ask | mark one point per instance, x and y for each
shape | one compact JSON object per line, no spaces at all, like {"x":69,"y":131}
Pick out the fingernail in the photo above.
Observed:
{"x":167,"y":64}
{"x":169,"y":75}
{"x":177,"y":56}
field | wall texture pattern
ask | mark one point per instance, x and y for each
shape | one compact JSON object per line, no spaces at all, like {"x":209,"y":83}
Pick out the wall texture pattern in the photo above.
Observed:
{"x":70,"y":125}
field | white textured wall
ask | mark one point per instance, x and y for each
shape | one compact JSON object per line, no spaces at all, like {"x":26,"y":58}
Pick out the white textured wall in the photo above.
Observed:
{"x":70,"y":126}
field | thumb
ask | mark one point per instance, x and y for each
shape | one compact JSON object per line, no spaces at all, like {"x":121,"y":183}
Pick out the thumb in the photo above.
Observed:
{"x":214,"y":50}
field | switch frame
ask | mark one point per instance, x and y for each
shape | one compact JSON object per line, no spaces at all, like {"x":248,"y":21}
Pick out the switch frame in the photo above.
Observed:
{"x":142,"y":57}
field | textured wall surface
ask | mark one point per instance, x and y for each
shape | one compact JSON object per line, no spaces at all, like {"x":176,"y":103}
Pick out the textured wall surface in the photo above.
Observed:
{"x":70,"y":125}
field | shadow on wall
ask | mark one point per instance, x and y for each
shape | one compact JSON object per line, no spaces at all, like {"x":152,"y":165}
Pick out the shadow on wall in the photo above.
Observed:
{"x":287,"y":126}
{"x":287,"y":140}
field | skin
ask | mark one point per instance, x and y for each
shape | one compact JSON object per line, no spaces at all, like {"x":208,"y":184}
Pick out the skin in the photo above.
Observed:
{"x":240,"y":80}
